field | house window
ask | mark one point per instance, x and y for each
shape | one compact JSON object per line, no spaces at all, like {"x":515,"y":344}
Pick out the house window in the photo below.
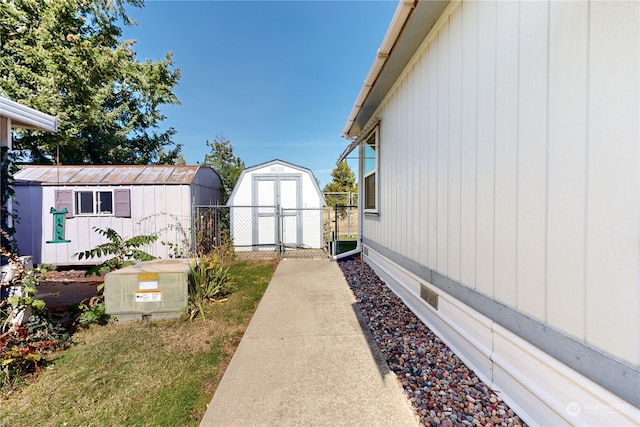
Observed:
{"x":94,"y":202}
{"x":370,"y":155}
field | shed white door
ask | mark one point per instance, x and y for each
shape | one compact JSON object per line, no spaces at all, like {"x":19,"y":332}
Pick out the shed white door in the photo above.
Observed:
{"x":277,"y":215}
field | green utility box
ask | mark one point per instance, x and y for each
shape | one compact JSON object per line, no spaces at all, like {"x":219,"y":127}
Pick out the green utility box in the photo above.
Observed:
{"x":149,"y":290}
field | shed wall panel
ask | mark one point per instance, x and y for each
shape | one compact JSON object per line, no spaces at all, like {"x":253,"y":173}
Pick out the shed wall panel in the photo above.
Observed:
{"x":272,"y":184}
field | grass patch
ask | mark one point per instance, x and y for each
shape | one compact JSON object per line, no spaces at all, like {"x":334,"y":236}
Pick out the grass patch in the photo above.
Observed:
{"x":142,"y":374}
{"x":346,"y":245}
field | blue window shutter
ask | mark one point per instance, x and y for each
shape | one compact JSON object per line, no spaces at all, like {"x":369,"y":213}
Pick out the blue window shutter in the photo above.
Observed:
{"x":122,"y":203}
{"x":64,"y":199}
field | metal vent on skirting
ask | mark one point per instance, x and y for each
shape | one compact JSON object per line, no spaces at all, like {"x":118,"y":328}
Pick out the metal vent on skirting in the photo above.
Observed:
{"x":365,"y":251}
{"x":429,"y":296}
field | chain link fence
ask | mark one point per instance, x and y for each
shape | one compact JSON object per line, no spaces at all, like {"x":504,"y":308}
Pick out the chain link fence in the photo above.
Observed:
{"x":342,"y":228}
{"x":253,"y":231}
{"x":260,"y":231}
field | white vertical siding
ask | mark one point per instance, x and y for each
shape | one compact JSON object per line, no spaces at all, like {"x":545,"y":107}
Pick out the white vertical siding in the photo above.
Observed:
{"x":79,"y":230}
{"x":432,"y":160}
{"x":613,"y":197}
{"x":442,"y":131}
{"x":422,"y":90}
{"x":532,"y":155}
{"x":507,"y":35}
{"x":509,"y":161}
{"x":485,"y":178}
{"x":469,"y":125}
{"x":566,"y":167}
{"x":161,"y":209}
{"x":455,"y":134}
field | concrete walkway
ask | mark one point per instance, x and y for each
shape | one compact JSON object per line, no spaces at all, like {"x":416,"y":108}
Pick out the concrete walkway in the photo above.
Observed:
{"x":306,"y":359}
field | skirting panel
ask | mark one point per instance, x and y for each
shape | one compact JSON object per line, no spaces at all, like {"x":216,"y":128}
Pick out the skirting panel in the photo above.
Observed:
{"x":539,"y":388}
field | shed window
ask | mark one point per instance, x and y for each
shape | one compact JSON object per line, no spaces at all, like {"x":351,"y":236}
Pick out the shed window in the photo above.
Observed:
{"x":94,"y":203}
{"x":370,"y":153}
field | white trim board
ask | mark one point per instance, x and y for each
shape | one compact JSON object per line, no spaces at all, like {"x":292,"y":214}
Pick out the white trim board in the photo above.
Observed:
{"x":25,"y":117}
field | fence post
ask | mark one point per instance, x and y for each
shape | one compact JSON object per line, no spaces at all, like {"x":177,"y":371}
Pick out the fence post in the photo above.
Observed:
{"x":280,"y":234}
{"x":336,"y":237}
{"x":194,"y":222}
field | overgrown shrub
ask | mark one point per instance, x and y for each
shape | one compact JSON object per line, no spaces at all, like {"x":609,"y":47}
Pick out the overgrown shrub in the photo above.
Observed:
{"x":93,"y":311}
{"x":28,"y":333}
{"x":208,"y":281}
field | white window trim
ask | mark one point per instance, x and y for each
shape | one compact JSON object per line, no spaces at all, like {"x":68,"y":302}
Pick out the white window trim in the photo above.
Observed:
{"x":376,"y":134}
{"x":95,"y":202}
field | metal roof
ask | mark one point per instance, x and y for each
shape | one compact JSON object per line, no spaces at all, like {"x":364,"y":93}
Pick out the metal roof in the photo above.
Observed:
{"x":106,"y":175}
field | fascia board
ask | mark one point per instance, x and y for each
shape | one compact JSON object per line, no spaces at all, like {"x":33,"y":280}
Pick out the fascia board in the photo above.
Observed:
{"x":402,"y":43}
{"x":26,"y":117}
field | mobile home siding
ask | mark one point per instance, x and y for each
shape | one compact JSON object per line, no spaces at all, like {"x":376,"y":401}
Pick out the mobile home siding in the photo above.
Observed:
{"x":524,"y":160}
{"x":510,"y":146}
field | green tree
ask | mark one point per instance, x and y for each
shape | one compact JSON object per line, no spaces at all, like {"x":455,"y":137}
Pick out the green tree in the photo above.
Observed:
{"x":179,"y":160}
{"x":65,"y":58}
{"x":343,"y":181}
{"x":222,"y":159}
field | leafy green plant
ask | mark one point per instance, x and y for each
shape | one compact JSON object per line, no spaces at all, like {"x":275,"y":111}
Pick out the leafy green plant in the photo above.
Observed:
{"x":27,"y":330}
{"x":8,"y":168}
{"x":93,"y":311}
{"x":125,"y":251}
{"x":208,"y":280}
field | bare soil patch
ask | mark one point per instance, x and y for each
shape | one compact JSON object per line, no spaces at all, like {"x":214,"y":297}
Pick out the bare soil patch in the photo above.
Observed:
{"x":66,"y":287}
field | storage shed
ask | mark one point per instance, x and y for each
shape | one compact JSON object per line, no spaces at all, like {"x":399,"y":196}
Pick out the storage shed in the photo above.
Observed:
{"x":500,"y":187}
{"x":276,"y":205}
{"x":132,"y":200}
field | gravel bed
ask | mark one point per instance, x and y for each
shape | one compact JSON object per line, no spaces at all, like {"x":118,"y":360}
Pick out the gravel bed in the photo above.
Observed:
{"x":442,"y":390}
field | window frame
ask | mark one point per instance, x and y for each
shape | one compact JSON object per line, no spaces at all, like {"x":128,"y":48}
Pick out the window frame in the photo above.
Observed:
{"x":95,"y":203}
{"x":373,"y":136}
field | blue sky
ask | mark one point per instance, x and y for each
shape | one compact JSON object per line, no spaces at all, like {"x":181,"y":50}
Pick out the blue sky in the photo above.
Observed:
{"x":276,"y":78}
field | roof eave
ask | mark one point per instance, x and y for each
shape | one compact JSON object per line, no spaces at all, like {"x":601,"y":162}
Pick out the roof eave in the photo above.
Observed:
{"x":26,"y":117}
{"x":409,"y":26}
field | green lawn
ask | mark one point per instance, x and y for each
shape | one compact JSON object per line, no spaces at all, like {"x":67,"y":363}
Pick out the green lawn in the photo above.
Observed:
{"x":346,"y":245}
{"x":160,"y":373}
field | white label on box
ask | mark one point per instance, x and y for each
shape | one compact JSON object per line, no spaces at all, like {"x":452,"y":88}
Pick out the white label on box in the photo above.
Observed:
{"x":148,"y":281}
{"x":148,"y":296}
{"x":148,"y":285}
